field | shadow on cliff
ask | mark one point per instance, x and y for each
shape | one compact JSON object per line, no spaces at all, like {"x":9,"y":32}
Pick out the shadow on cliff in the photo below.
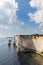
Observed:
{"x":28,"y":43}
{"x":29,"y":58}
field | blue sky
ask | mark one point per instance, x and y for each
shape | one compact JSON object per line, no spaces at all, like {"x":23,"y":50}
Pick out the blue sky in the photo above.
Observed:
{"x":21,"y":17}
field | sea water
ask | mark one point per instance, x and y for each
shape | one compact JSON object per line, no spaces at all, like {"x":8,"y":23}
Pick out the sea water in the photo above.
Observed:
{"x":9,"y":56}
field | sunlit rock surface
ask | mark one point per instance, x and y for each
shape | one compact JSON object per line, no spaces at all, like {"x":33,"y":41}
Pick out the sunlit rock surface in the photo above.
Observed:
{"x":30,"y":42}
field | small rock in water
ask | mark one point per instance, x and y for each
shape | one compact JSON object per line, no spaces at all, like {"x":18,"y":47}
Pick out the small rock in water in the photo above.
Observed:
{"x":9,"y":42}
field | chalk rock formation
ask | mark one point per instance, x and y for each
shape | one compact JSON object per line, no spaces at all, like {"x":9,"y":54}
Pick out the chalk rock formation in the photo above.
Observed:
{"x":30,"y":42}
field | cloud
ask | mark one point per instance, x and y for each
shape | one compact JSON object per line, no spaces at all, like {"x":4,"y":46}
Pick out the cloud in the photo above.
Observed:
{"x":8,"y":15}
{"x":9,"y":8}
{"x":41,"y":25}
{"x":3,"y":26}
{"x":9,"y":23}
{"x":38,"y":15}
{"x":36,"y":4}
{"x":41,"y":30}
{"x":5,"y":34}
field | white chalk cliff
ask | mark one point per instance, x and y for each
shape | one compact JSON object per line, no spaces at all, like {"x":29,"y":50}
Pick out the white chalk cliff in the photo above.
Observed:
{"x":34,"y":42}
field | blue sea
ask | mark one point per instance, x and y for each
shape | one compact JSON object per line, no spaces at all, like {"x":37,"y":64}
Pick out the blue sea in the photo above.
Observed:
{"x":9,"y":56}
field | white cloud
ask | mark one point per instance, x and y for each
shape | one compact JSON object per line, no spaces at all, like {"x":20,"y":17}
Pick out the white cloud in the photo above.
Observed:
{"x":1,"y":16}
{"x":8,"y":15}
{"x":10,"y":8}
{"x":37,"y":4}
{"x":8,"y":18}
{"x":5,"y":34}
{"x":2,"y":36}
{"x":3,"y":26}
{"x":38,"y":15}
{"x":41,"y":24}
{"x":41,"y":30}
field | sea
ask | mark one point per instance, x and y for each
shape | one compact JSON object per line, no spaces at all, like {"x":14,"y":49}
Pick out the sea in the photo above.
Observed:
{"x":9,"y":55}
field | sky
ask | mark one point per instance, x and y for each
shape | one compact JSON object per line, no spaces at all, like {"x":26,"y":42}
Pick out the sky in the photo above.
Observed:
{"x":21,"y":17}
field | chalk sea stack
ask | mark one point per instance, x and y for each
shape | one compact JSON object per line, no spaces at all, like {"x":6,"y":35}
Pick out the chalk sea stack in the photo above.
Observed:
{"x":9,"y":42}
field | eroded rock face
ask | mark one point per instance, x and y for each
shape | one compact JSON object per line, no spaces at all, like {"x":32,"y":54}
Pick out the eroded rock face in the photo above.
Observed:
{"x":30,"y":42}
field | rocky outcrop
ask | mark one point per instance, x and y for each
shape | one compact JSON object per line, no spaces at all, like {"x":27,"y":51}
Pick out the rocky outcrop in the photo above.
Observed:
{"x":29,"y":42}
